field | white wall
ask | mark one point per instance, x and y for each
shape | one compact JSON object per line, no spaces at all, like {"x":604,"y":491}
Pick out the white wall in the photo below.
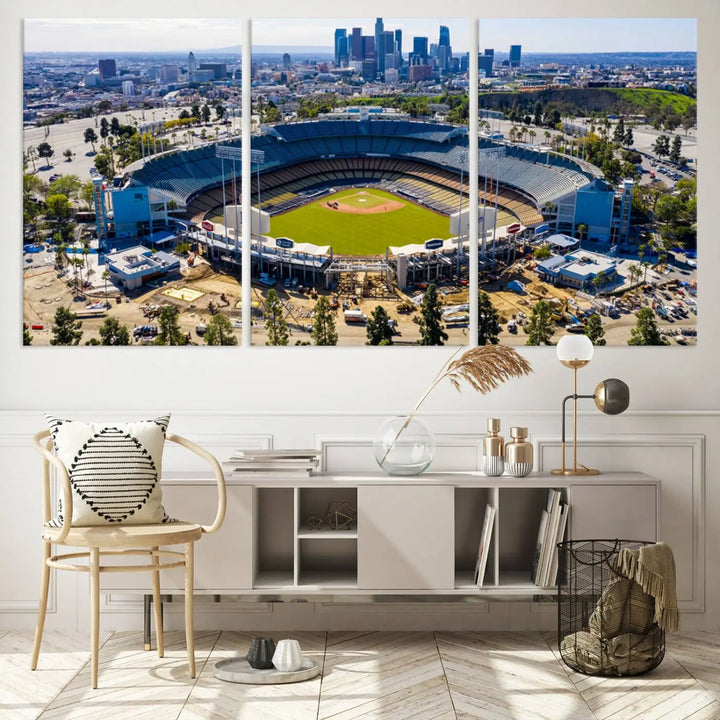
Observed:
{"x":673,"y":389}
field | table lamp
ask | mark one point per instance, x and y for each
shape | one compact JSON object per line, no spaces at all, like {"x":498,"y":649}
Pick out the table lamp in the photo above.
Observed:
{"x":611,"y":396}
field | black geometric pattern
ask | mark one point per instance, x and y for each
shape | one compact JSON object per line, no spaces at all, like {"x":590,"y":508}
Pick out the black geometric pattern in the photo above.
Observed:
{"x":112,"y":471}
{"x":114,"y":474}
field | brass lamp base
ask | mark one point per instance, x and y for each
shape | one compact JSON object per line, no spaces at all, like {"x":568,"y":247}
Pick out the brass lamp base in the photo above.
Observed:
{"x":575,"y":471}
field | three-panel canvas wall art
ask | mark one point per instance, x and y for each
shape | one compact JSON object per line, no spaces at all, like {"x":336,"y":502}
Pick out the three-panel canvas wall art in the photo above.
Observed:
{"x":401,"y":192}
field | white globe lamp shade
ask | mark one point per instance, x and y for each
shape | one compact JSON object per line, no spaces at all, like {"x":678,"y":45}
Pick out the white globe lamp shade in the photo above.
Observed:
{"x":574,"y":351}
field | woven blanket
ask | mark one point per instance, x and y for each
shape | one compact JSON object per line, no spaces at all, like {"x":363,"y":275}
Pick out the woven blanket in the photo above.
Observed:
{"x":653,"y":568}
{"x":624,"y":607}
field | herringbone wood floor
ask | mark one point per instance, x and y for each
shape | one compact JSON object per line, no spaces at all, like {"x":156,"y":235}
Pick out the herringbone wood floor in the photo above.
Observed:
{"x":398,"y":676}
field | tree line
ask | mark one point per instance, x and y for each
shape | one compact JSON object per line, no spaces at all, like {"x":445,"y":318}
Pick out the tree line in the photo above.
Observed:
{"x":67,"y":329}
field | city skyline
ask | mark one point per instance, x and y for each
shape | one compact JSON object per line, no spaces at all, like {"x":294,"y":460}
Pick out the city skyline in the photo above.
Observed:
{"x":538,"y":35}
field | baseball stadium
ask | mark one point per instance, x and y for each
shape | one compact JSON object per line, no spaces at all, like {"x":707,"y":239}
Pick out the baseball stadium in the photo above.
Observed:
{"x":330,"y":192}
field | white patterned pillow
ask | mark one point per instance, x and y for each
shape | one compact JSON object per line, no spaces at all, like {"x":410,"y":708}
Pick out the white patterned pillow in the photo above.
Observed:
{"x":114,"y":470}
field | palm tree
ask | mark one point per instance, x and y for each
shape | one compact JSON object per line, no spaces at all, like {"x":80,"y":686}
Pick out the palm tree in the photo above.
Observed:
{"x":106,"y":277}
{"x":31,"y":155}
{"x":645,"y":265}
{"x":86,"y":255}
{"x":634,"y":271}
{"x":532,"y":135}
{"x":548,"y":134}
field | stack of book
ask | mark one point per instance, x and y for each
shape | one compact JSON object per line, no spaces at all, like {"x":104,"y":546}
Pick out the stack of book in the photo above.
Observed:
{"x":552,"y":530}
{"x":273,"y":463}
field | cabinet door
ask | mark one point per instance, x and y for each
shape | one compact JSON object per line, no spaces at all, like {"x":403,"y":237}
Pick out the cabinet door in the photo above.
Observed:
{"x":606,"y":511}
{"x":406,"y":537}
{"x":223,"y":560}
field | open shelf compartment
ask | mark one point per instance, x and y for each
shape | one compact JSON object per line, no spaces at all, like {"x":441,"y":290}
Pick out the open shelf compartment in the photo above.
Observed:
{"x":317,"y":503}
{"x":520,"y":512}
{"x":273,"y":529}
{"x":327,"y":564}
{"x":470,"y":506}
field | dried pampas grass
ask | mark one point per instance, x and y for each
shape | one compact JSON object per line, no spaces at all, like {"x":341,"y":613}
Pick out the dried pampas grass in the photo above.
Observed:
{"x":483,"y":368}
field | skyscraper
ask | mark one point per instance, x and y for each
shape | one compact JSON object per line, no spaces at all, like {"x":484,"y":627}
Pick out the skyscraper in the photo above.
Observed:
{"x":398,"y":45}
{"x":340,"y":35}
{"x":515,"y":51}
{"x":380,"y":44}
{"x":107,"y":68}
{"x":192,"y":64}
{"x":368,"y":47}
{"x":356,"y":46}
{"x":444,"y":49}
{"x":389,"y":50}
{"x":343,"y":51}
{"x":420,"y":49}
{"x":286,"y":61}
{"x":486,"y":61}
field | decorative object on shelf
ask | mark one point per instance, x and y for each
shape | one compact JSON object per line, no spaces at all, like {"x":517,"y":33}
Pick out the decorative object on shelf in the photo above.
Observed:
{"x":493,"y":449}
{"x":404,"y":446}
{"x":611,"y":396}
{"x":287,"y":462}
{"x":288,"y":657}
{"x":340,"y":515}
{"x":314,"y":522}
{"x":260,"y":654}
{"x":483,"y":368}
{"x":518,"y":453}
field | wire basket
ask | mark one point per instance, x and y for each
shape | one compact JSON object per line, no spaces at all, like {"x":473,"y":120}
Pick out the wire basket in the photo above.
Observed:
{"x":605,"y":620}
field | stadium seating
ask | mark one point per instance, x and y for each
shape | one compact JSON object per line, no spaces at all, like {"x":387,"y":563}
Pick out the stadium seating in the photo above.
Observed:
{"x":422,"y":158}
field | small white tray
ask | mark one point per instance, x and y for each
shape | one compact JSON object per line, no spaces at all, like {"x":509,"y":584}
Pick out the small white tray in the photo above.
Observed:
{"x":238,"y":670}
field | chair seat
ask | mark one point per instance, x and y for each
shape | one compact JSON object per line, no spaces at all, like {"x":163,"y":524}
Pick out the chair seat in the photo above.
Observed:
{"x":127,"y":536}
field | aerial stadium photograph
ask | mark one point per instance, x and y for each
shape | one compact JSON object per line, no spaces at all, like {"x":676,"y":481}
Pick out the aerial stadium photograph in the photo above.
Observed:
{"x":360,"y":185}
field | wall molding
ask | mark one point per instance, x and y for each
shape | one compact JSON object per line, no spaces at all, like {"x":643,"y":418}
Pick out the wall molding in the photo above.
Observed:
{"x":82,"y":413}
{"x":329,"y":443}
{"x":338,"y":432}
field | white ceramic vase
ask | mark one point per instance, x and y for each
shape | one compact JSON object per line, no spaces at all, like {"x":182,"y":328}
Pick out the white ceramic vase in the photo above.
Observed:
{"x":288,"y":656}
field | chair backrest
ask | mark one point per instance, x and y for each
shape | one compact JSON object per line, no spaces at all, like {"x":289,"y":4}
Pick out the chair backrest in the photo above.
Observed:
{"x":44,"y":445}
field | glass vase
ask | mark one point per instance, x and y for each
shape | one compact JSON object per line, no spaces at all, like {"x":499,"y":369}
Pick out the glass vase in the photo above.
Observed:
{"x":404,"y":446}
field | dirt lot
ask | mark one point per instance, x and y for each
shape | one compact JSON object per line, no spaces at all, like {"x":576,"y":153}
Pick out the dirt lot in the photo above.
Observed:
{"x":46,"y":290}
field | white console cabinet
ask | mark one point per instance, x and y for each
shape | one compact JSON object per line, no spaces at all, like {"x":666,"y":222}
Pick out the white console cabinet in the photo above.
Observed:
{"x":413,"y":535}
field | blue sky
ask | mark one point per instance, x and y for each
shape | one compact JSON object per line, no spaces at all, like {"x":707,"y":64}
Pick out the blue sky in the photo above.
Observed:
{"x":183,"y":34}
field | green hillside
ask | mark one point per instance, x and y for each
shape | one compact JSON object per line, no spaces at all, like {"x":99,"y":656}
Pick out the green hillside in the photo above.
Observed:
{"x":583,"y":101}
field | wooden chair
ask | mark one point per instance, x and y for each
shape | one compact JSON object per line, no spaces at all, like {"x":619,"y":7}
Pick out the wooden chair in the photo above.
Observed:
{"x":142,"y":540}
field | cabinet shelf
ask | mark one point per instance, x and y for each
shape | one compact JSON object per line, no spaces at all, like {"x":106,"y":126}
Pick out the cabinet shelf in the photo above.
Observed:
{"x":273,"y":580}
{"x":324,"y":580}
{"x":522,"y":580}
{"x":327,"y":534}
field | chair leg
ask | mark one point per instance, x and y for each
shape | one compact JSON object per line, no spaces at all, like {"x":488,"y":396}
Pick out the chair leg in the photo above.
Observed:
{"x":147,"y":603}
{"x":157,"y":604}
{"x":94,"y":612}
{"x":42,"y":607}
{"x":189,"y":588}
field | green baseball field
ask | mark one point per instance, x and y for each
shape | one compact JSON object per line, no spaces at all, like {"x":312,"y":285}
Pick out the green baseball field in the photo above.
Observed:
{"x":360,"y":221}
